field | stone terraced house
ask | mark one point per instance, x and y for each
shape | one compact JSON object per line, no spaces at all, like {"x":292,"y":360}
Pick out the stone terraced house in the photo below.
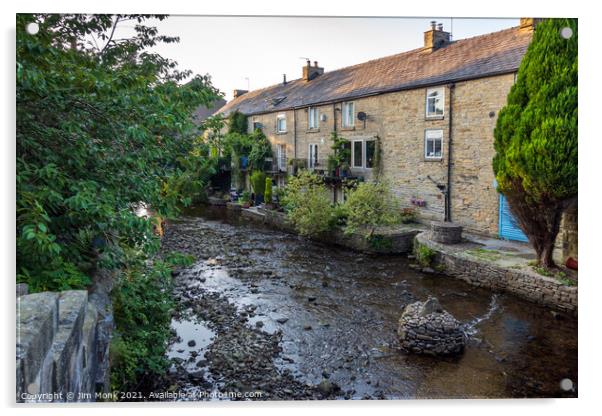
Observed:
{"x":429,"y":113}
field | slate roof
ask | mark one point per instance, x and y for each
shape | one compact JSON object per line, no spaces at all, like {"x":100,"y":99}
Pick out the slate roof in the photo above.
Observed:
{"x":477,"y":57}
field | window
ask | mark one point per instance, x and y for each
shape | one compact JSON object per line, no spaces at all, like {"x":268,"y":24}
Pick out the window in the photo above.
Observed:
{"x":281,"y":123}
{"x":348,"y":114}
{"x":313,"y":155}
{"x":433,"y":144}
{"x":370,"y":152}
{"x":435,"y":102}
{"x":281,"y":153}
{"x":314,"y":121}
{"x":358,"y":157}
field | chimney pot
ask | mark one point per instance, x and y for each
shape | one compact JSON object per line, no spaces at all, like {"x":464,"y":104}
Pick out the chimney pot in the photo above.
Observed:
{"x":440,"y":26}
{"x":284,"y":79}
{"x":433,"y":24}
{"x":316,"y":64}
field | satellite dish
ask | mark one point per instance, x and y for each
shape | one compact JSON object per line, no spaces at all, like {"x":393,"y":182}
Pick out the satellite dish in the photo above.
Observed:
{"x":361,"y":116}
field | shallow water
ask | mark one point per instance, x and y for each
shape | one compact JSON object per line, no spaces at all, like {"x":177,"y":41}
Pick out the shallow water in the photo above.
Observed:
{"x":352,"y":303}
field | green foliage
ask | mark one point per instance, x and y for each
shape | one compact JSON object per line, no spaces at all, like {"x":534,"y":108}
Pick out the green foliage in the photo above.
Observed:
{"x":369,"y":205}
{"x":237,"y":123}
{"x":258,"y":181}
{"x":268,"y":190}
{"x":245,"y":197}
{"x":260,"y":151}
{"x":308,"y":205}
{"x":99,"y":129}
{"x":536,"y":136}
{"x":380,"y":242}
{"x":341,"y":152}
{"x":424,"y":255}
{"x":142,"y":305}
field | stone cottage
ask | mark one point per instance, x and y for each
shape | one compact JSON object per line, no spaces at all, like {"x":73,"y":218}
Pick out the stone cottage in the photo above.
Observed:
{"x":422,"y":119}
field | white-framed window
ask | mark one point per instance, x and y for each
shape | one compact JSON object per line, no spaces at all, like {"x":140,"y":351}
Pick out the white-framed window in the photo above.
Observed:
{"x":313,"y":118}
{"x":435,"y":100}
{"x":281,"y":123}
{"x":348,"y":114}
{"x":357,"y":154}
{"x":433,"y":144}
{"x":312,"y":160}
{"x":281,"y":154}
{"x":370,"y":153}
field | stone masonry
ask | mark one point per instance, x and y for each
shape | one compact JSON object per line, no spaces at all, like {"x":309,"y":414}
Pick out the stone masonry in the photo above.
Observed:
{"x":62,"y":346}
{"x":454,"y":260}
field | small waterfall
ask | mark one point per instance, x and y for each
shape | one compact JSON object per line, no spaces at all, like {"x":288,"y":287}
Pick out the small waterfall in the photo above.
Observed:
{"x":470,"y":328}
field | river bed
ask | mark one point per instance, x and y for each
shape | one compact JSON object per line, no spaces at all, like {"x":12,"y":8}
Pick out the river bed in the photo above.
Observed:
{"x":276,"y":316}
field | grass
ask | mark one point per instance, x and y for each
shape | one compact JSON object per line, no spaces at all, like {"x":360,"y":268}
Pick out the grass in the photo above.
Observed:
{"x":491,"y":255}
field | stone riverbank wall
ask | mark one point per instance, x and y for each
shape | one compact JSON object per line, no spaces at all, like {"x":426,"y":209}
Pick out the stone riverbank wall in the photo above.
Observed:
{"x":395,"y":240}
{"x":62,"y":346}
{"x":453,"y":260}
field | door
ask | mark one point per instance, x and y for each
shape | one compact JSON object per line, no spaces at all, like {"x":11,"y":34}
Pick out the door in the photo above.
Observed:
{"x":509,"y":229}
{"x":313,"y":155}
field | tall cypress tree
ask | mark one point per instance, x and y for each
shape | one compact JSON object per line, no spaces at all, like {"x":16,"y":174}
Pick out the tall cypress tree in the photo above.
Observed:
{"x":536,"y":136}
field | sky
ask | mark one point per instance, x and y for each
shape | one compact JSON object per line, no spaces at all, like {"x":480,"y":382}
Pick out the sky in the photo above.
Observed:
{"x":255,"y":52}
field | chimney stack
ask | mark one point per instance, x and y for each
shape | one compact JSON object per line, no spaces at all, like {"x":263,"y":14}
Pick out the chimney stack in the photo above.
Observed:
{"x":283,"y":79}
{"x":238,"y":93}
{"x":311,"y":72}
{"x":435,"y":37}
{"x":527,"y":24}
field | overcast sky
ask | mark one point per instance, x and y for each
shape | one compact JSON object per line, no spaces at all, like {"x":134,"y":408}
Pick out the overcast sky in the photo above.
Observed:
{"x":255,"y":51}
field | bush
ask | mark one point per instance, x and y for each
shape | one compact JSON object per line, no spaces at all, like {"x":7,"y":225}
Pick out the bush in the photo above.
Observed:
{"x":424,"y":255}
{"x":258,"y":182}
{"x":308,"y":205}
{"x":268,"y":190}
{"x":369,"y":205}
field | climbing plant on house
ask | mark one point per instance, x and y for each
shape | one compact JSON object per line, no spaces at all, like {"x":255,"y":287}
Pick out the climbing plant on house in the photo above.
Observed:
{"x":536,"y":136}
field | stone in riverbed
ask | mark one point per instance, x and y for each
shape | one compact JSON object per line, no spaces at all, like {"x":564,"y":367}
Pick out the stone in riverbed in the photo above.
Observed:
{"x":191,"y":343}
{"x":425,"y":328}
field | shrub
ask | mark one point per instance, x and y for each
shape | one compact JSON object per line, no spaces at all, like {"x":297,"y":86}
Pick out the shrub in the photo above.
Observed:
{"x":369,"y":205}
{"x":308,"y":205}
{"x":258,"y":182}
{"x":268,"y":190}
{"x":424,"y":255}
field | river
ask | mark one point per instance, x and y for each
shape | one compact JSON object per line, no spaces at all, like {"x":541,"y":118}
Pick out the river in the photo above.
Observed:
{"x":279,"y":317}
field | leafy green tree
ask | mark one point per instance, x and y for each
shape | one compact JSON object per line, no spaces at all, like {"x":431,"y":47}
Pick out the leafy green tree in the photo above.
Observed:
{"x":536,"y":136}
{"x":237,"y":122}
{"x":102,"y":125}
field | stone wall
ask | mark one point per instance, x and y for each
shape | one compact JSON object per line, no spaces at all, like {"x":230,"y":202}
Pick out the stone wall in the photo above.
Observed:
{"x":62,"y":346}
{"x":527,"y":284}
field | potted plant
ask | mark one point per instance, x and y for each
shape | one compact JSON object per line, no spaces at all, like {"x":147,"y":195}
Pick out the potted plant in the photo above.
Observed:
{"x":245,"y":199}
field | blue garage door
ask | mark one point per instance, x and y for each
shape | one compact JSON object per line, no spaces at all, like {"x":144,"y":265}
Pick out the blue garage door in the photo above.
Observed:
{"x":509,"y":229}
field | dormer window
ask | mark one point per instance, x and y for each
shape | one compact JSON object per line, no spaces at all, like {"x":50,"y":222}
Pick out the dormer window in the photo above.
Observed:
{"x":281,"y":123}
{"x":435,"y":98}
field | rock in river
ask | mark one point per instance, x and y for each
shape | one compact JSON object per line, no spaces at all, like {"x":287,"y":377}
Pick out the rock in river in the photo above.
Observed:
{"x":425,"y":328}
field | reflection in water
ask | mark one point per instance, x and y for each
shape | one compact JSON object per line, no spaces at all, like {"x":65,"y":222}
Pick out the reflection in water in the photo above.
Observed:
{"x":338,"y":313}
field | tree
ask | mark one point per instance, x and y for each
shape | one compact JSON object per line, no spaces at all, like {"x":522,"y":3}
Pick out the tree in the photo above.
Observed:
{"x":102,"y":125}
{"x":536,"y":137}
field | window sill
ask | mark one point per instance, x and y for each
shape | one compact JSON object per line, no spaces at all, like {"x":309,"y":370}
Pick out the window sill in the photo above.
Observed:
{"x":312,"y":131}
{"x":281,"y":132}
{"x":433,"y":159}
{"x":431,"y":118}
{"x":347,"y":128}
